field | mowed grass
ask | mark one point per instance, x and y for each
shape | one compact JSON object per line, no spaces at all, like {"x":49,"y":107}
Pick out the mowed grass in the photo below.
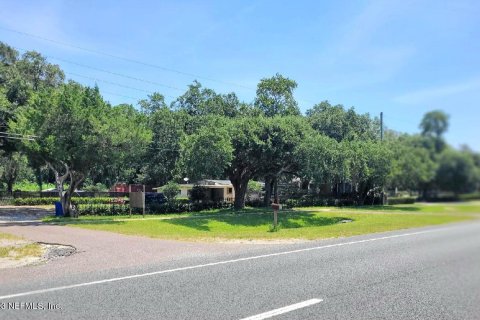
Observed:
{"x":7,"y":236}
{"x":15,"y":247}
{"x":302,"y":223}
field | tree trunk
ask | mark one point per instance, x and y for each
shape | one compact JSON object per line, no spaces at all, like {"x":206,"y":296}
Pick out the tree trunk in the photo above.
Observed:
{"x":38,"y":178}
{"x":240,"y":182}
{"x":268,"y":190}
{"x":275,"y":191}
{"x":75,"y":180}
{"x":10,"y":185}
{"x":59,"y":181}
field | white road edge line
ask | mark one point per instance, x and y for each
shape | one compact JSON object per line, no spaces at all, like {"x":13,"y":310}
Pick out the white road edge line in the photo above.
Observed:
{"x":283,"y":310}
{"x":28,"y":293}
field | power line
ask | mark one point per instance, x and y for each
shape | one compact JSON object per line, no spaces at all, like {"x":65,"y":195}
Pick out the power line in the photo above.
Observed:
{"x":18,"y":134}
{"x":14,"y":138}
{"x":121,"y":95}
{"x":114,"y":83}
{"x":106,"y":81}
{"x":98,"y":52}
{"x":107,"y":71}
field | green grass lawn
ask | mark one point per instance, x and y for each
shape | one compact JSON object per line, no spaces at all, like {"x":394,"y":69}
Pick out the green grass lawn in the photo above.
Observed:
{"x":302,"y":223}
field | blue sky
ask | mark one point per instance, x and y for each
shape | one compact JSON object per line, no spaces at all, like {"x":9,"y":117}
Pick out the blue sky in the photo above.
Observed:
{"x":404,"y":58}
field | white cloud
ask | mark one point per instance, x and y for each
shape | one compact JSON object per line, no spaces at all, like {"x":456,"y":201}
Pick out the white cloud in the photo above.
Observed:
{"x":433,"y":93}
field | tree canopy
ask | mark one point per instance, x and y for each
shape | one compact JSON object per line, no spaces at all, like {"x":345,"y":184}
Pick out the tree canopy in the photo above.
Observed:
{"x":67,"y":133}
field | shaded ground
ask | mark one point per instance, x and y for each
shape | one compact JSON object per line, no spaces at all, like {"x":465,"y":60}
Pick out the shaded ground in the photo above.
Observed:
{"x":24,"y":213}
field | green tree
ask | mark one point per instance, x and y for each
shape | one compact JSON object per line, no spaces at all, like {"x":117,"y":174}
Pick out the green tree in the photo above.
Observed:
{"x":171,"y":190}
{"x":434,"y":124}
{"x":207,"y":152}
{"x":168,"y":128}
{"x":368,"y":164}
{"x":13,"y":165}
{"x":199,"y":101}
{"x":76,"y":132}
{"x":281,"y":137}
{"x":275,"y":96}
{"x":154,"y":103}
{"x":322,"y":159}
{"x":248,"y":144}
{"x":131,"y":137}
{"x":412,"y":166}
{"x":456,"y":172}
{"x":340,"y":124}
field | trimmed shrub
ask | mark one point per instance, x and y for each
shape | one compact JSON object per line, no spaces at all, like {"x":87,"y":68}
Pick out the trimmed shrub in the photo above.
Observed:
{"x":401,"y":200}
{"x":103,"y":209}
{"x":469,"y":196}
{"x":76,"y":200}
{"x":183,"y":206}
{"x":198,"y":193}
{"x":171,"y":190}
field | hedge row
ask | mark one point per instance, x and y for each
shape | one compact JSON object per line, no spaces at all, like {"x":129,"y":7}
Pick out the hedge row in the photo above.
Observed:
{"x":319,"y":202}
{"x":469,"y":196}
{"x":401,"y":200}
{"x":185,"y":206}
{"x":103,"y":209}
{"x":52,"y":200}
{"x":169,"y":207}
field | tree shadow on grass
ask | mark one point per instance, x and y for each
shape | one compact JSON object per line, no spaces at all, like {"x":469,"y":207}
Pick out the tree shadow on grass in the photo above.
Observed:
{"x":73,"y":222}
{"x":382,"y":208}
{"x":288,"y":220}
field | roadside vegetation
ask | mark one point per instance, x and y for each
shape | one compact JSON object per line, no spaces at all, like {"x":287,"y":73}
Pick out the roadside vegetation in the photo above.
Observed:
{"x":302,"y":223}
{"x":326,"y":154}
{"x":13,"y":247}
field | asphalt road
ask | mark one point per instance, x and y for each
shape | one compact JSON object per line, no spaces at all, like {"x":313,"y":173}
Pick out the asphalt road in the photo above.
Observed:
{"x":427,"y":273}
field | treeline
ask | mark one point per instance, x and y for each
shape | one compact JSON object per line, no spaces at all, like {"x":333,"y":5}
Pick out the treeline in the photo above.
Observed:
{"x":60,"y":131}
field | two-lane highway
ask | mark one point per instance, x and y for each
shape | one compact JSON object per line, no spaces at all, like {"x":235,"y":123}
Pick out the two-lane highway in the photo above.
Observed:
{"x":428,"y":273}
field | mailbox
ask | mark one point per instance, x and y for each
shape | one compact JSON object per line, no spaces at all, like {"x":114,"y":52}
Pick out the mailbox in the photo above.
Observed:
{"x":276,"y":206}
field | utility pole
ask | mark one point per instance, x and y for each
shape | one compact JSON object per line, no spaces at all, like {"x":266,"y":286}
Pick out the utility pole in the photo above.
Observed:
{"x":381,"y":126}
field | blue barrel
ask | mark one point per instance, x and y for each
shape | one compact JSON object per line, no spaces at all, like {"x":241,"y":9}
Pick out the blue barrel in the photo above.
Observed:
{"x":58,"y":209}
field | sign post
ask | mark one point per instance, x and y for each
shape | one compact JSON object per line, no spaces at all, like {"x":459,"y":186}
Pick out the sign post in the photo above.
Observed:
{"x":275,"y":206}
{"x":137,"y":200}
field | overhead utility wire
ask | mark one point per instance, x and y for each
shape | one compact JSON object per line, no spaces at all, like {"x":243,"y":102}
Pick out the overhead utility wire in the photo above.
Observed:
{"x":107,"y":71}
{"x":121,"y":95}
{"x":136,"y":61}
{"x":98,"y":52}
{"x":114,"y":83}
{"x":17,"y":134}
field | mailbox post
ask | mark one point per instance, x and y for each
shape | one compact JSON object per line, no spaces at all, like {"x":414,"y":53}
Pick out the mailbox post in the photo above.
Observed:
{"x":275,"y":207}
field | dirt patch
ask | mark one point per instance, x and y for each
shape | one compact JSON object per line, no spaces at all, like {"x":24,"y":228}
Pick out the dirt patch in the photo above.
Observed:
{"x":48,"y":252}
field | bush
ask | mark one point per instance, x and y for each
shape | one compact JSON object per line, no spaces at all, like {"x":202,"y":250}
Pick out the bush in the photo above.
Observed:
{"x":257,"y":203}
{"x":171,"y":190}
{"x":184,"y":206}
{"x":198,"y":193}
{"x":469,"y":196}
{"x":316,"y":201}
{"x":33,"y":201}
{"x":401,"y":200}
{"x":77,"y":200}
{"x":103,"y":209}
{"x":99,"y":187}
